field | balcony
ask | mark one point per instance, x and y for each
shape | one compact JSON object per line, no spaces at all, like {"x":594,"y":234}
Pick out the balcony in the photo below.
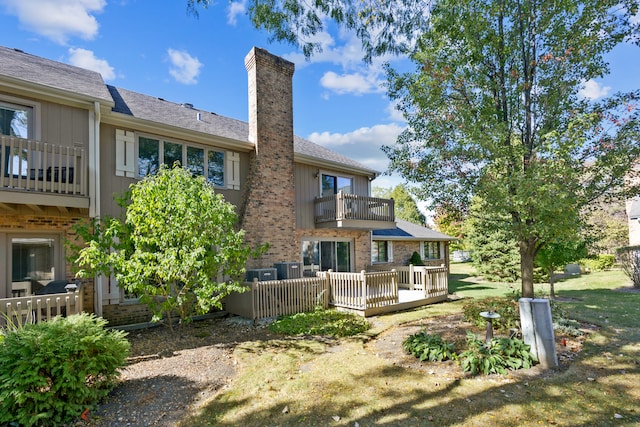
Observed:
{"x":353,"y":211}
{"x":36,"y":173}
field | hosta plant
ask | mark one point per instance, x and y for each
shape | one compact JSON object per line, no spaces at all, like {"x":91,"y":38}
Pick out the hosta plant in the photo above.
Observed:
{"x":428,"y":347}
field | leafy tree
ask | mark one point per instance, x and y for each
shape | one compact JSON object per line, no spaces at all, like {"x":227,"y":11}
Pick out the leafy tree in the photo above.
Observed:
{"x":607,"y":226}
{"x":494,"y":110}
{"x":555,"y":255}
{"x":405,"y":206}
{"x":450,"y":221}
{"x":174,"y":248}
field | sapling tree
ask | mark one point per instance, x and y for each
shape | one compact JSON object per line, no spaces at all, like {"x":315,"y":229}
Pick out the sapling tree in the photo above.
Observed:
{"x":177,"y":248}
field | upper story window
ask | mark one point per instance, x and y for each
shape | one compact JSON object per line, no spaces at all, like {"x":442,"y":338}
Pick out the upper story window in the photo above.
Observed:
{"x":16,"y":120}
{"x":431,"y":250}
{"x":333,"y":184}
{"x":200,"y":161}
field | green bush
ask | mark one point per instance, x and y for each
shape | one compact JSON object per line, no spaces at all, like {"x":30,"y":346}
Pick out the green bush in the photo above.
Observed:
{"x":321,"y":322}
{"x":428,"y":347}
{"x":50,"y":372}
{"x":567,"y":327}
{"x":499,"y":356}
{"x":415,"y":259}
{"x":601,"y":262}
{"x":506,"y":307}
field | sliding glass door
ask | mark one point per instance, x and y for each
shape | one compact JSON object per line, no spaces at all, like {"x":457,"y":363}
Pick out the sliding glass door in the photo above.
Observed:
{"x":323,"y":255}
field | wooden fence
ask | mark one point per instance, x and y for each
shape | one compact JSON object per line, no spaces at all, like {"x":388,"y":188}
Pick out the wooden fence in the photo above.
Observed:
{"x":279,"y":297}
{"x":37,"y":308}
{"x":42,"y":167}
{"x":362,"y":290}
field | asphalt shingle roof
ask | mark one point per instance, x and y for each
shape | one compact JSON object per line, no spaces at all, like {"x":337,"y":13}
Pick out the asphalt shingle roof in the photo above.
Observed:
{"x":406,"y":230}
{"x":55,"y":75}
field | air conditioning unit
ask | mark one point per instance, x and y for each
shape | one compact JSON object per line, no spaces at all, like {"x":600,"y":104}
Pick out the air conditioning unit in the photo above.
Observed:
{"x":262,"y":274}
{"x":289,"y":270}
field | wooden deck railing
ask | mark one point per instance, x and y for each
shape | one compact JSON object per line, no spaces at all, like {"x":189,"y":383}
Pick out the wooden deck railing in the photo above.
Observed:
{"x":279,"y":297}
{"x":37,"y":308}
{"x":42,"y":167}
{"x":344,"y":206}
{"x":362,"y":290}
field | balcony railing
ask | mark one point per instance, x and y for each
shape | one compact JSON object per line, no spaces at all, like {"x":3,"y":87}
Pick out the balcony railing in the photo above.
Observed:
{"x":347,"y":210}
{"x":37,"y":166}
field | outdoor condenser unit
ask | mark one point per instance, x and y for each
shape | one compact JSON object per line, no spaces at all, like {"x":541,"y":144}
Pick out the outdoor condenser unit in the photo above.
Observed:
{"x":288,"y":270}
{"x":262,"y":274}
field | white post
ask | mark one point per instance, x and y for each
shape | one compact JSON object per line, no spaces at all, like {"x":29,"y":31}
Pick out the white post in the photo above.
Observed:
{"x":537,"y":330}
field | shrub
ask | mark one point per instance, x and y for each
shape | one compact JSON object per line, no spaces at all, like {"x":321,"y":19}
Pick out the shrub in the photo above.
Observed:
{"x":50,"y":372}
{"x":506,"y":307}
{"x":599,"y":263}
{"x":629,"y":257}
{"x":497,"y":357}
{"x":428,"y":347}
{"x":321,"y":322}
{"x":568,"y":327}
{"x":415,"y":259}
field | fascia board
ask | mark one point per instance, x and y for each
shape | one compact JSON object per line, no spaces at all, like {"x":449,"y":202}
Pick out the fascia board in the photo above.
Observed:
{"x":314,"y":161}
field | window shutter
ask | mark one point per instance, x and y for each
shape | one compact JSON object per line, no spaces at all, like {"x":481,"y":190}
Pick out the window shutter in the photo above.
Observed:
{"x":110,"y":290}
{"x":125,"y":160}
{"x":390,"y":251}
{"x":233,"y":171}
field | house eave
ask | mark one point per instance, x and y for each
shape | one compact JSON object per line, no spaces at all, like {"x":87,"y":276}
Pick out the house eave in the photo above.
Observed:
{"x":152,"y":127}
{"x":48,"y":93}
{"x":321,"y":163}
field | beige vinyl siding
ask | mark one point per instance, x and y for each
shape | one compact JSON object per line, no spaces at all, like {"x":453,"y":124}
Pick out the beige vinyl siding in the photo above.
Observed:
{"x":65,"y":125}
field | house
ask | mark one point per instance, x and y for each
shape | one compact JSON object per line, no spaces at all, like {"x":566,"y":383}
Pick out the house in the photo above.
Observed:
{"x":69,"y":143}
{"x":395,"y":246}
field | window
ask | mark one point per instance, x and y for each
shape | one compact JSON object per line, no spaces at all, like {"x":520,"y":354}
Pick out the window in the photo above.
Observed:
{"x":381,"y":251}
{"x":33,"y":261}
{"x":321,"y":255}
{"x":153,"y":152}
{"x":16,"y":120}
{"x":431,"y":250}
{"x":333,"y":184}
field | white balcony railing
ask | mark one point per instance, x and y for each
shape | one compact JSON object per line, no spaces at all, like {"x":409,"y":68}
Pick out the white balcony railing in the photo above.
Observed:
{"x":343,"y":206}
{"x":37,"y":166}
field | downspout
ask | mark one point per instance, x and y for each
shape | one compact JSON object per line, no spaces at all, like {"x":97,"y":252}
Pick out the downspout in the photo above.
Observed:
{"x":94,"y":192}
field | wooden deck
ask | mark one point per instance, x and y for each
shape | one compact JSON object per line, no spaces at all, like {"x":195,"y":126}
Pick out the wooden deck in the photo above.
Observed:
{"x":367,"y":294}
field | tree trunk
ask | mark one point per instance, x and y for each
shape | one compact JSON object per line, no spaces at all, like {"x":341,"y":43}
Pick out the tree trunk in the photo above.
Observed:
{"x":527,"y":256}
{"x":552,"y":281}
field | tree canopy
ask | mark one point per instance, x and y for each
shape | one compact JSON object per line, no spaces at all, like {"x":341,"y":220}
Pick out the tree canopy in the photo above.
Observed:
{"x":494,"y":110}
{"x":405,"y":206}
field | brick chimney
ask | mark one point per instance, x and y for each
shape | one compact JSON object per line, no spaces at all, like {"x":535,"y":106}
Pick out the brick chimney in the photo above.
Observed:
{"x":268,"y":210}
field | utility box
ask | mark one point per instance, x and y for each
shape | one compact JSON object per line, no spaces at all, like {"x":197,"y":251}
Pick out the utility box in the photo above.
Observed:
{"x":288,"y":270}
{"x":262,"y":274}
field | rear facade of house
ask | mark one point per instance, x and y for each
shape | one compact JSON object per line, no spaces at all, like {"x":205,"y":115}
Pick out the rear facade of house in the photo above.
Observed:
{"x":69,"y":143}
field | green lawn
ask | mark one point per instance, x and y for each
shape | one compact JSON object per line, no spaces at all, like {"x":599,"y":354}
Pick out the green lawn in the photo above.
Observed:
{"x":297,"y":381}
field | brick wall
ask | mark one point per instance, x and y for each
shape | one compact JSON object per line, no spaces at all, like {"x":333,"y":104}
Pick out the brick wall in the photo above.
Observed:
{"x":267,"y":211}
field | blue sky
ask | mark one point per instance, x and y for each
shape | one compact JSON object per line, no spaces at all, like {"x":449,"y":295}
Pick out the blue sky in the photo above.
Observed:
{"x":156,"y":48}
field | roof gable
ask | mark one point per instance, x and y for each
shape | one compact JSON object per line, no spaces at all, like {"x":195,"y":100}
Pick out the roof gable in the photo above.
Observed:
{"x":34,"y":70}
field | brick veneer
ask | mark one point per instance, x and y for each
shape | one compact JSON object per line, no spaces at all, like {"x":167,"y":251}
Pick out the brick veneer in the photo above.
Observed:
{"x":267,"y":212}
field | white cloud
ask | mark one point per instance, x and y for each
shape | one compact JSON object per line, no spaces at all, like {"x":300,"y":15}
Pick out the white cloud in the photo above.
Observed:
{"x":394,"y":113}
{"x":361,"y":144}
{"x":235,"y":8}
{"x":58,"y":20}
{"x":86,"y":59}
{"x":355,"y":83}
{"x":185,"y":68}
{"x":594,"y":90}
